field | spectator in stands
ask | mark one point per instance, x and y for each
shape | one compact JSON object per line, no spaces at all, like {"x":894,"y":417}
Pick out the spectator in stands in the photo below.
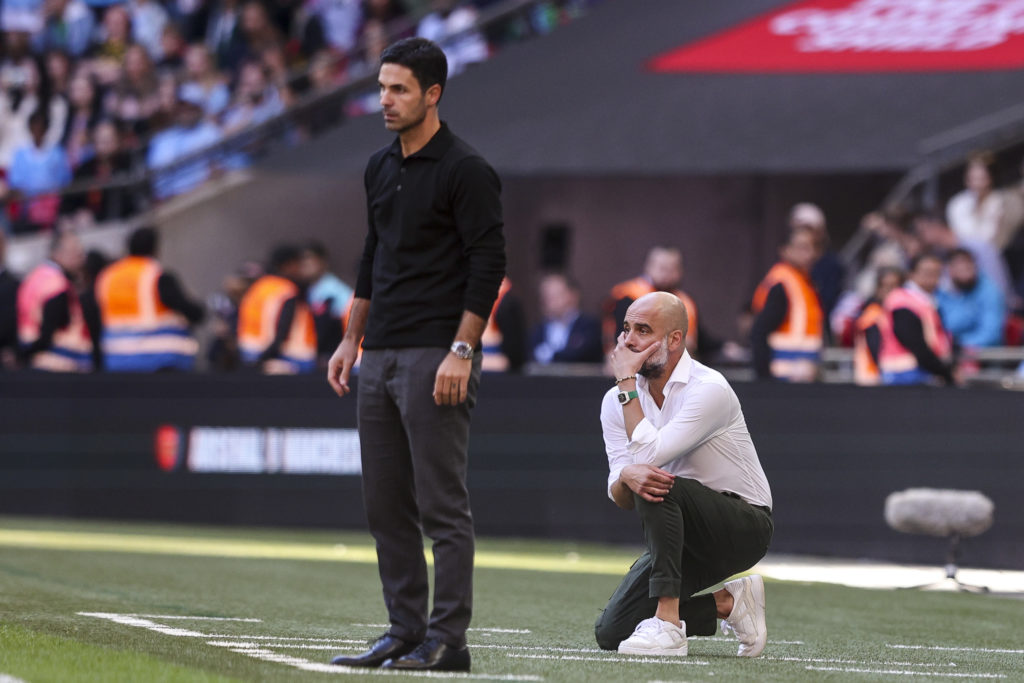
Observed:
{"x":255,"y":102}
{"x":827,"y":273}
{"x":134,"y":98}
{"x":19,"y":102}
{"x":109,"y":160}
{"x":38,"y":172}
{"x":339,"y":21}
{"x":83,"y":114}
{"x":172,"y":49}
{"x":787,"y":335}
{"x":189,"y":135}
{"x":52,"y":334}
{"x":566,"y":335}
{"x":872,"y":320}
{"x":148,"y":19}
{"x":67,"y":25}
{"x":451,"y":25}
{"x":972,"y":308}
{"x":916,"y":349}
{"x":329,"y":298}
{"x":223,"y":36}
{"x":324,"y":81}
{"x":146,"y":313}
{"x":108,"y":54}
{"x":276,"y":331}
{"x":663,"y":272}
{"x":1013,"y":220}
{"x":203,"y":81}
{"x":256,"y":33}
{"x":938,"y":237}
{"x":8,"y":310}
{"x":503,"y":342}
{"x":976,"y":213}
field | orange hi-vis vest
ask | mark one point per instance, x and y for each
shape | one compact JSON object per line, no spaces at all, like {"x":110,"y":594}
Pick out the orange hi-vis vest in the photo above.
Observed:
{"x":796,"y":344}
{"x":897,"y":363}
{"x":865,"y":370}
{"x":634,"y":289}
{"x":491,"y":339}
{"x":140,"y":333}
{"x":257,"y":326}
{"x":71,"y":347}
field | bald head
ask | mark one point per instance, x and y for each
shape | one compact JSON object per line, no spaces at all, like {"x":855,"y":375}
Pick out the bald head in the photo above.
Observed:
{"x":663,"y":311}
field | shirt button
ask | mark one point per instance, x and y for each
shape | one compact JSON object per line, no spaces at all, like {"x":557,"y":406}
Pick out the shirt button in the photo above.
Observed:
{"x":399,"y":187}
{"x":403,"y":170}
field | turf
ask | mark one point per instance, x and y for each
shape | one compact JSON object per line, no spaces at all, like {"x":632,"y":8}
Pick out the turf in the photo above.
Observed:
{"x":313,"y":599}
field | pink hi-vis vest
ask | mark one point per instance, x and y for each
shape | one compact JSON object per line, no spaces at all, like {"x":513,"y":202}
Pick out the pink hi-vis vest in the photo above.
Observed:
{"x":894,"y":357}
{"x":71,"y":348}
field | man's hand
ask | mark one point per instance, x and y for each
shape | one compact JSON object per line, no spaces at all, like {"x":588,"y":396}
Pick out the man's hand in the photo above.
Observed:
{"x":624,"y":361}
{"x":340,"y":366}
{"x":647,"y":481}
{"x":451,"y":384}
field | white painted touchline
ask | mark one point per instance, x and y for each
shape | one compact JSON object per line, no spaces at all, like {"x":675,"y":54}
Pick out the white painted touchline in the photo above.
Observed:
{"x":494,"y":629}
{"x":731,"y":639}
{"x":898,"y":672}
{"x":1002,"y":651}
{"x":188,"y":618}
{"x":615,"y":659}
{"x":7,"y":678}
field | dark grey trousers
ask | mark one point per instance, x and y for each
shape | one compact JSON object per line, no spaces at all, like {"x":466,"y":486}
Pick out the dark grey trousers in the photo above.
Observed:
{"x":696,"y":538}
{"x":414,"y":458}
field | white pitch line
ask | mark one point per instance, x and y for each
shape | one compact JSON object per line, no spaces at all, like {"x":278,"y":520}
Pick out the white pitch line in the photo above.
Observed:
{"x":730,"y":639}
{"x":616,"y":660}
{"x":7,"y":678}
{"x":495,"y":629}
{"x":816,"y":660}
{"x":901,"y":672}
{"x":306,"y":665}
{"x":1001,"y":651}
{"x":188,"y":618}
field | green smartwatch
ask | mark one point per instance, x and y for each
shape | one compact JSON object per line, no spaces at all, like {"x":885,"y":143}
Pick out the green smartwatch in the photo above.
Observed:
{"x":627,"y":396}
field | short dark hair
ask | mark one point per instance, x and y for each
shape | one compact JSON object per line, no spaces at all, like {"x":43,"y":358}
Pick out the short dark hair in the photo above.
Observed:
{"x":282,"y":255}
{"x":423,"y":57}
{"x":960,"y":252}
{"x":317,"y":248}
{"x":923,"y":256}
{"x":143,"y":242}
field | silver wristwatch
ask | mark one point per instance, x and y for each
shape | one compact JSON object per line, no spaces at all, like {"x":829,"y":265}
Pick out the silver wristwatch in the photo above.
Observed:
{"x":462,"y":350}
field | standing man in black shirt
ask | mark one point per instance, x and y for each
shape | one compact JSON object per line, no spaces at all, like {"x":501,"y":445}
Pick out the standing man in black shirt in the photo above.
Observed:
{"x":432,"y":264}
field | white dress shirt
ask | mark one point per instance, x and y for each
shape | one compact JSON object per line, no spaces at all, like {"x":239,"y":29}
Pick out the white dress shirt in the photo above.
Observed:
{"x":698,"y":433}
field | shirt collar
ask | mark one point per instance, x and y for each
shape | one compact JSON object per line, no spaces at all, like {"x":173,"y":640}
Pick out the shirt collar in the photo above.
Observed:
{"x":680,"y":374}
{"x":434,"y":149}
{"x":913,"y":287}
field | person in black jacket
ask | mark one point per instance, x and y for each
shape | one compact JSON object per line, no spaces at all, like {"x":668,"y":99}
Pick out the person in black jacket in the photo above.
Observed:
{"x":566,"y":335}
{"x":8,"y":311}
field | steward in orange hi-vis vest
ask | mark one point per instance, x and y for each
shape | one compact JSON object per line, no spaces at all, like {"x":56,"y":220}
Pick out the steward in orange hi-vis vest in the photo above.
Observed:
{"x":872,"y":321}
{"x":275,"y":327}
{"x":51,"y":328}
{"x":904,"y":359}
{"x":141,"y":333}
{"x":796,"y":343}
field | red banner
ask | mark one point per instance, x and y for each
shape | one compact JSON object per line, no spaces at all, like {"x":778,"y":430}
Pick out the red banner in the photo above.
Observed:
{"x":860,"y":36}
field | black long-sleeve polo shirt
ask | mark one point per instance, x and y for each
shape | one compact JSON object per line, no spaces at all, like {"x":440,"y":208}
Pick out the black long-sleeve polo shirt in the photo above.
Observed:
{"x":435,"y":246}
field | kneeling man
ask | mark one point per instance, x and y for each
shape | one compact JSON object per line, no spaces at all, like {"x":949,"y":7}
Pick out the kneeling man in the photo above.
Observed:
{"x":679,"y":453}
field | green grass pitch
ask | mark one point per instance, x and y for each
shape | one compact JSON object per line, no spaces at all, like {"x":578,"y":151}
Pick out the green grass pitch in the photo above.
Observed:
{"x":105,"y":602}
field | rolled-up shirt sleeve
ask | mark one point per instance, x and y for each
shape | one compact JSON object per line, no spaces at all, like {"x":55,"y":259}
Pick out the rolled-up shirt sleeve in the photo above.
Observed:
{"x":705,"y":413}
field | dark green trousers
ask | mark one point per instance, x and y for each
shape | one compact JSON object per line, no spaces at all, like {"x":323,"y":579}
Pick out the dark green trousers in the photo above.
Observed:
{"x":696,"y":538}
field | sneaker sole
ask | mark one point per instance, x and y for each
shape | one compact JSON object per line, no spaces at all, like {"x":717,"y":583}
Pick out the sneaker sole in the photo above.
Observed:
{"x":756,"y":588}
{"x":680,"y":652}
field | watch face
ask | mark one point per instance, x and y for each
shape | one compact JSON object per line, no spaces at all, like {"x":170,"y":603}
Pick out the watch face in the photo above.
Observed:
{"x":623,"y":397}
{"x":462,"y":350}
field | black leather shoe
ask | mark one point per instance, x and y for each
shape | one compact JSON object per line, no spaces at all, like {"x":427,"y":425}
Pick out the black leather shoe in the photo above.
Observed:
{"x":382,"y":649}
{"x":431,"y":655}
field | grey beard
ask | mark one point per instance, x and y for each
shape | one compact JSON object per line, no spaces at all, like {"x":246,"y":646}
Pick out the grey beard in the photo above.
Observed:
{"x":651,"y":370}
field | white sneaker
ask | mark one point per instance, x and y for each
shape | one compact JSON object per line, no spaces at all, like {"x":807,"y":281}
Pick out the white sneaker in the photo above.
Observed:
{"x":747,"y":617}
{"x":656,"y":637}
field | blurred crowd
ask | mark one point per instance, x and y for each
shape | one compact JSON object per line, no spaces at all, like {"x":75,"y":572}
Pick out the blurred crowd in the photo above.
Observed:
{"x":92,"y":90}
